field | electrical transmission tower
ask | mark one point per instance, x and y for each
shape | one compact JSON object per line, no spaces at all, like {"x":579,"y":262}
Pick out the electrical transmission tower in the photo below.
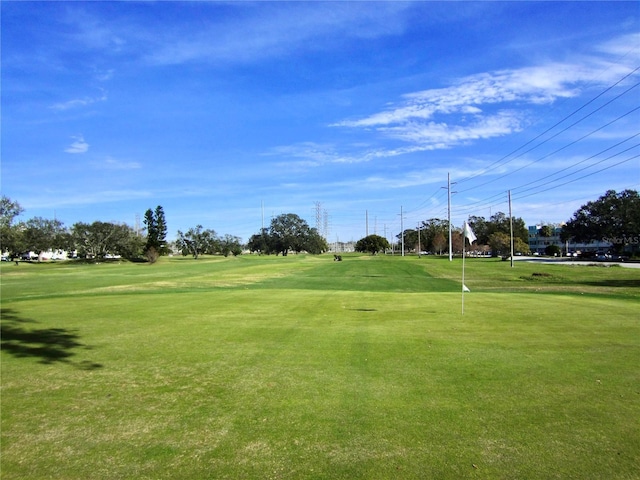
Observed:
{"x":322,"y":220}
{"x":325,"y":224}
{"x":318,"y":206}
{"x":137,"y":226}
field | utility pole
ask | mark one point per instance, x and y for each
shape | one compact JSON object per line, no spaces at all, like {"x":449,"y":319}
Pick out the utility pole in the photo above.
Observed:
{"x":419,"y":249}
{"x":402,"y":230}
{"x":366,"y":221}
{"x":449,"y":215}
{"x":385,"y":237}
{"x":510,"y":227}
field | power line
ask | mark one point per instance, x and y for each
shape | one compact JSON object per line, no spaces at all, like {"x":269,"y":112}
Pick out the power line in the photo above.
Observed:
{"x":557,"y":134}
{"x":577,"y":163}
{"x":488,"y":200}
{"x":557,"y":150}
{"x":501,"y":160}
{"x":580,"y":178}
{"x":583,"y":169}
{"x":489,"y":204}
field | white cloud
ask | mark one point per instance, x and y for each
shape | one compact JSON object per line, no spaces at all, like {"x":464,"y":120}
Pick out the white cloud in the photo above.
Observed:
{"x":443,"y":117}
{"x":621,"y":45}
{"x":111,"y":163}
{"x":65,"y":198}
{"x":104,"y":75}
{"x":79,"y":102}
{"x":476,"y":107}
{"x":421,"y":137}
{"x":78,"y":145}
{"x":310,"y":154}
{"x":441,"y":135}
{"x":306,"y":153}
{"x":276,"y":31}
{"x":532,"y":85}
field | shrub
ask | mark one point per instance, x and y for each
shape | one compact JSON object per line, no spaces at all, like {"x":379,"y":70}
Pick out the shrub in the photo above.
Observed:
{"x":553,"y":251}
{"x":152,"y":255}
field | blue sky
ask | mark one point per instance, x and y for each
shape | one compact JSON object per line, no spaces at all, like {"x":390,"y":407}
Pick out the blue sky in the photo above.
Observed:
{"x":226,"y":113}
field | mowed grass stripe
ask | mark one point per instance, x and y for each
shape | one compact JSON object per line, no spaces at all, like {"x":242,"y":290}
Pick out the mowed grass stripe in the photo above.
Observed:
{"x":365,"y":273}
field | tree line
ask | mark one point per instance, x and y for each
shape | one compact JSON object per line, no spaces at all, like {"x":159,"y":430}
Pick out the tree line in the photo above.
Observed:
{"x":287,"y":232}
{"x":613,"y":218}
{"x":432,"y":236}
{"x":98,"y":240}
{"x":88,"y":240}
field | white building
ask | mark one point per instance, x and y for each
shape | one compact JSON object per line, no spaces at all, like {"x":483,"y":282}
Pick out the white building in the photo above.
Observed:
{"x":539,"y":243}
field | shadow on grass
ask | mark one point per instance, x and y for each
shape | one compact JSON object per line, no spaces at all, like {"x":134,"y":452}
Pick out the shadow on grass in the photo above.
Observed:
{"x":49,"y":345}
{"x":614,"y":282}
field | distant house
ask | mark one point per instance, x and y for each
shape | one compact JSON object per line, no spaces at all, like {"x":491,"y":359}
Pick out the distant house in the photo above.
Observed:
{"x":48,"y":255}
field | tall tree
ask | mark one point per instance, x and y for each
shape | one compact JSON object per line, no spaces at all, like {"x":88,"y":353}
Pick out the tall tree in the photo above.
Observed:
{"x":288,"y":232}
{"x":614,"y":217}
{"x":432,"y":233}
{"x":372,"y":244}
{"x":481,"y":229}
{"x":498,"y":223}
{"x":315,"y":243}
{"x":500,"y":243}
{"x":99,"y":239}
{"x":152,"y":229}
{"x":9,"y":210}
{"x":260,"y":242}
{"x":156,"y":225}
{"x":197,"y":241}
{"x":410,"y":238}
{"x":10,"y":236}
{"x":546,"y":230}
{"x":41,"y":234}
{"x":161,"y":230}
{"x":438,"y":243}
{"x":230,"y":244}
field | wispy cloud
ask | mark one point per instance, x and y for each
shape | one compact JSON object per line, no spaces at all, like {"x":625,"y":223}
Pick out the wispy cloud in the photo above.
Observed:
{"x":311,"y":154}
{"x":442,"y":135}
{"x":104,"y":75}
{"x":489,"y":104}
{"x":306,"y":154}
{"x":277,"y":32}
{"x":111,"y":163}
{"x":79,"y":102}
{"x":622,"y":45}
{"x":78,"y":145}
{"x":535,"y":85}
{"x":64,"y":198}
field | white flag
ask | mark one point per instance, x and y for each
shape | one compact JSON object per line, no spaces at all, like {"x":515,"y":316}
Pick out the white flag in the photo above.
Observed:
{"x":468,"y":233}
{"x":465,"y":288}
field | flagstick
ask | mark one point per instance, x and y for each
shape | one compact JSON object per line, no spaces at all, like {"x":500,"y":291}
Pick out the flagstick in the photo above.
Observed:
{"x":464,"y":241}
{"x":466,"y":233}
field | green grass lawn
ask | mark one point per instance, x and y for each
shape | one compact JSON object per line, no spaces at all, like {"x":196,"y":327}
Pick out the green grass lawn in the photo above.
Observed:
{"x":302,"y":367}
